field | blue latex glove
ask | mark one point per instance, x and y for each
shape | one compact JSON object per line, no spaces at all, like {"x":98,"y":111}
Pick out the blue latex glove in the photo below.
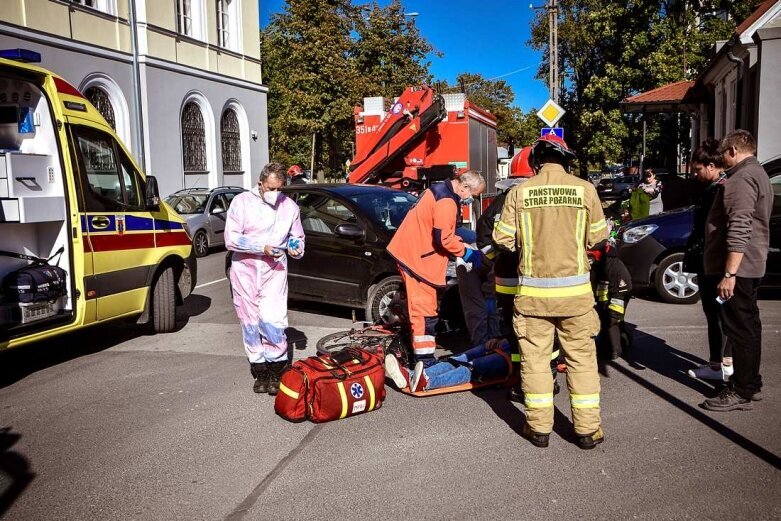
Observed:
{"x":490,"y":305}
{"x":468,"y":254}
{"x":476,"y":259}
{"x":293,"y":243}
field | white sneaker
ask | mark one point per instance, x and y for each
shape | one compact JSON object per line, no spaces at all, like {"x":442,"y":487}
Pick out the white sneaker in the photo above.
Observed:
{"x":395,"y":372}
{"x":706,"y":372}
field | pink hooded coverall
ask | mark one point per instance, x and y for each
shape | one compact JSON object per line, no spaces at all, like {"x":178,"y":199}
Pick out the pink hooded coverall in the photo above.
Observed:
{"x":259,"y":281}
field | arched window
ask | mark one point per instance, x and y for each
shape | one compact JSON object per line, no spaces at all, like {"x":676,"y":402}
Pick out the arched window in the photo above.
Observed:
{"x":102,"y":102}
{"x":193,"y":140}
{"x":231,"y":142}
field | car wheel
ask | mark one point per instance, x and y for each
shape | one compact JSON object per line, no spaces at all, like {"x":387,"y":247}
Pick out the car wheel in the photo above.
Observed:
{"x":380,"y":296}
{"x":200,"y":244}
{"x":164,"y":302}
{"x":673,"y":284}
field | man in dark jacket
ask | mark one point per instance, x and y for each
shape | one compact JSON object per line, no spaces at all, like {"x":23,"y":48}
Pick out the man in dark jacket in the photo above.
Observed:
{"x":737,"y":240}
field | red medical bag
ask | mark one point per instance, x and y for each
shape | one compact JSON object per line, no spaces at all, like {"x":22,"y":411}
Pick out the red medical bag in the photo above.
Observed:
{"x":331,"y":387}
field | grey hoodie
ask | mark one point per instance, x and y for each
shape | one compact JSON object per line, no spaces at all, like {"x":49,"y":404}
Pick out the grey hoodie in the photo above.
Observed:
{"x":739,"y":221}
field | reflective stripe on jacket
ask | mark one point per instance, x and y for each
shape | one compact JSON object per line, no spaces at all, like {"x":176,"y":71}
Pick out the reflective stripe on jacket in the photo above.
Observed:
{"x":426,"y":236}
{"x":551,"y":220}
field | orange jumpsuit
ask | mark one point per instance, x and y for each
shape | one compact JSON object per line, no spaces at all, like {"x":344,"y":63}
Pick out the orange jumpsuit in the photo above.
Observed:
{"x":421,"y":247}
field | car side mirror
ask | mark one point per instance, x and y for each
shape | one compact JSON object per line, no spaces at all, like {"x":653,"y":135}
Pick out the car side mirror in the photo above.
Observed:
{"x":218,"y":209}
{"x":350,"y":230}
{"x":152,"y":193}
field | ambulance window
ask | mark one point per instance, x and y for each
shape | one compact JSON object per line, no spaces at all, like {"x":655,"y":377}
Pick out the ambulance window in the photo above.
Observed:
{"x":109,"y":181}
{"x":132,"y":183}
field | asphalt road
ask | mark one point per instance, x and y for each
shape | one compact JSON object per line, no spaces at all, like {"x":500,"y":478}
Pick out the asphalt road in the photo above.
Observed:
{"x":116,"y":424}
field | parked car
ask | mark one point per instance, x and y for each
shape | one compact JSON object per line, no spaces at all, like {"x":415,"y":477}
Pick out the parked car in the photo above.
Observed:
{"x":204,"y":211}
{"x":617,"y":187}
{"x":348,"y":228}
{"x":652,"y":248}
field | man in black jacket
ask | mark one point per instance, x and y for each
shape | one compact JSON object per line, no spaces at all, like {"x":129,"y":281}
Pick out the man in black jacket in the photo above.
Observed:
{"x":737,"y":240}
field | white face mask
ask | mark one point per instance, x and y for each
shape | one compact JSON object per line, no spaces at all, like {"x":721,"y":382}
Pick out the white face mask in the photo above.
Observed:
{"x":271,"y":197}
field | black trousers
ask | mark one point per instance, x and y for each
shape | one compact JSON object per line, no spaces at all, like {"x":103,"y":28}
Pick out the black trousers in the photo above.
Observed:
{"x":743,"y":329}
{"x":717,"y":342}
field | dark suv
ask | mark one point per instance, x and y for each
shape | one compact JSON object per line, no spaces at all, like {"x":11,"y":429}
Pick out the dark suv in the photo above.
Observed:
{"x":652,"y":248}
{"x":205,"y":211}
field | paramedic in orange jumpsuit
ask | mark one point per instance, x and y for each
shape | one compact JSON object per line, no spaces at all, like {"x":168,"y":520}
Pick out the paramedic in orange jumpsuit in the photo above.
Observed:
{"x":421,"y":247}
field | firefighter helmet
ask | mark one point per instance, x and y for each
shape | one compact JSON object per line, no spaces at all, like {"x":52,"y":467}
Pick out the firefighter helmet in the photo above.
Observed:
{"x":520,"y":166}
{"x":294,"y":171}
{"x":550,"y":143}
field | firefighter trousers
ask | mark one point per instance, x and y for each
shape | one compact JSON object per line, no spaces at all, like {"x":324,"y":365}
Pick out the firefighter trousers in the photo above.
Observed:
{"x":423,"y":316}
{"x":576,"y":335}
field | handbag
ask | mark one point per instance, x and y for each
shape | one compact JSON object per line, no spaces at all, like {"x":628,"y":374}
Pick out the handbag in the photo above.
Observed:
{"x":331,"y":387}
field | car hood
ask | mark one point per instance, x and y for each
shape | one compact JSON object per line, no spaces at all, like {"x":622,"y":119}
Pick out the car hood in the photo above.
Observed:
{"x":660,"y":219}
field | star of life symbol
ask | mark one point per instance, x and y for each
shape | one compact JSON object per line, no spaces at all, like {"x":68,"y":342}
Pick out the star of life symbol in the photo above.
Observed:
{"x":356,"y":390}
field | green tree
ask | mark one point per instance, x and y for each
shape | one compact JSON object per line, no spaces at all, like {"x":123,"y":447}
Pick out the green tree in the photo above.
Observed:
{"x":320,"y":58}
{"x":610,"y":49}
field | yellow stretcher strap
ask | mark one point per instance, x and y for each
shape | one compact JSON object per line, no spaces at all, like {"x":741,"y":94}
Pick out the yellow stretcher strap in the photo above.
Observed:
{"x":584,"y":401}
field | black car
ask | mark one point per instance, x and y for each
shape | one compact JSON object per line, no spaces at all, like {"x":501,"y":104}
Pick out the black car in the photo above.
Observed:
{"x":652,"y":248}
{"x":348,"y":228}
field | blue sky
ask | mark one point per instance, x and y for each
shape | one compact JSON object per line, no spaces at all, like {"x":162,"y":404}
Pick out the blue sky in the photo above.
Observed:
{"x":484,"y":36}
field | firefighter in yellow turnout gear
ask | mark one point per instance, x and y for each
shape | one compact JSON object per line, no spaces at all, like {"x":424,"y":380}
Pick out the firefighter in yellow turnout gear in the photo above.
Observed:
{"x":551,"y":220}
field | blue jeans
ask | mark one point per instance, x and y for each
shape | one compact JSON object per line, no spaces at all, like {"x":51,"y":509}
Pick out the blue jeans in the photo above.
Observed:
{"x":482,"y":365}
{"x":445,"y":374}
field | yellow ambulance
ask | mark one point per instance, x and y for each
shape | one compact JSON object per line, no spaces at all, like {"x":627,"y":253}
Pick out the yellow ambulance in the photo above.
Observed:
{"x":84,"y":236}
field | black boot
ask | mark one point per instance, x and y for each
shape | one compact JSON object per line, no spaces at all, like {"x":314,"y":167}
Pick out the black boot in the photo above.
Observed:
{"x":275,"y":374}
{"x":261,"y":373}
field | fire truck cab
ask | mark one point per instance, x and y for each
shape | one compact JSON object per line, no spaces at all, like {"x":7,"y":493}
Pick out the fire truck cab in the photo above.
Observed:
{"x":71,"y":196}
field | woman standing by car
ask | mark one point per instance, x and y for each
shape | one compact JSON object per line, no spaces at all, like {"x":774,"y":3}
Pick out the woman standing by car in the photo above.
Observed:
{"x":653,"y":188}
{"x":707,"y":165}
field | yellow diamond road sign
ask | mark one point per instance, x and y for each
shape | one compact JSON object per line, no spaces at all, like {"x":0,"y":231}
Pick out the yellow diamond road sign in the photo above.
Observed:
{"x":550,"y":113}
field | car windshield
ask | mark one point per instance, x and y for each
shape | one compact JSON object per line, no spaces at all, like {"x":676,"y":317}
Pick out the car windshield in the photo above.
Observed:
{"x":188,"y":204}
{"x":384,"y":208}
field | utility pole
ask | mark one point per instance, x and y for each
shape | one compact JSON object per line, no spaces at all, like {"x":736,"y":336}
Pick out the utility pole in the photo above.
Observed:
{"x":553,"y":28}
{"x":552,"y":8}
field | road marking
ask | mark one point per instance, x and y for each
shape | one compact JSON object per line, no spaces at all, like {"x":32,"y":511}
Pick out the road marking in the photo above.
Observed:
{"x":210,"y":283}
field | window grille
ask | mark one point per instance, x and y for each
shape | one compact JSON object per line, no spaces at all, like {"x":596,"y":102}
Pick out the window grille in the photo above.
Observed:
{"x":184,"y":17}
{"x":100,"y":99}
{"x":231,"y":142}
{"x":193,"y":139}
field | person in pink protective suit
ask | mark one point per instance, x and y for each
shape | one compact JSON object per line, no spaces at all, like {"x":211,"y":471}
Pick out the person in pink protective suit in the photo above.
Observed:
{"x":261,"y":227}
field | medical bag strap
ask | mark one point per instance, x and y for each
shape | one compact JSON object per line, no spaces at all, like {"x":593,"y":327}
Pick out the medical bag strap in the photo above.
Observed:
{"x":31,"y":258}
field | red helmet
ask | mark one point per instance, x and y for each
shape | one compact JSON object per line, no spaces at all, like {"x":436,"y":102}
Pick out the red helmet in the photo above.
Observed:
{"x":294,"y":171}
{"x":519,"y":166}
{"x":551,"y":143}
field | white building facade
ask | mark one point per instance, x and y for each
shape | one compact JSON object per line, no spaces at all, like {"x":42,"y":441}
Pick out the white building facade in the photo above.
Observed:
{"x":179,"y":80}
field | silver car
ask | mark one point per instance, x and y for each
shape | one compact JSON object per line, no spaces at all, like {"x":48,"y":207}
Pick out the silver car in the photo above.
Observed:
{"x":205,"y":212}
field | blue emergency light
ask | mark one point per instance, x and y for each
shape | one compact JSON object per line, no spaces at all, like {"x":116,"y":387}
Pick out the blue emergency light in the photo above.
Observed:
{"x":21,"y":55}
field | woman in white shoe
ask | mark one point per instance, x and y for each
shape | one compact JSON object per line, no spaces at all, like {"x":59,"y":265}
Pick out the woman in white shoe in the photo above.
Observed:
{"x":707,"y":165}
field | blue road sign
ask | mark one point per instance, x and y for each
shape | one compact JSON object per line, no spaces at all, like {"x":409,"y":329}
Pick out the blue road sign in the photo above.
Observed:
{"x":556,"y":131}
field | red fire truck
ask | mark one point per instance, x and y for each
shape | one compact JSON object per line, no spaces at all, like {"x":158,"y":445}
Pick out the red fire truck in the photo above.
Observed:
{"x":422,"y":137}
